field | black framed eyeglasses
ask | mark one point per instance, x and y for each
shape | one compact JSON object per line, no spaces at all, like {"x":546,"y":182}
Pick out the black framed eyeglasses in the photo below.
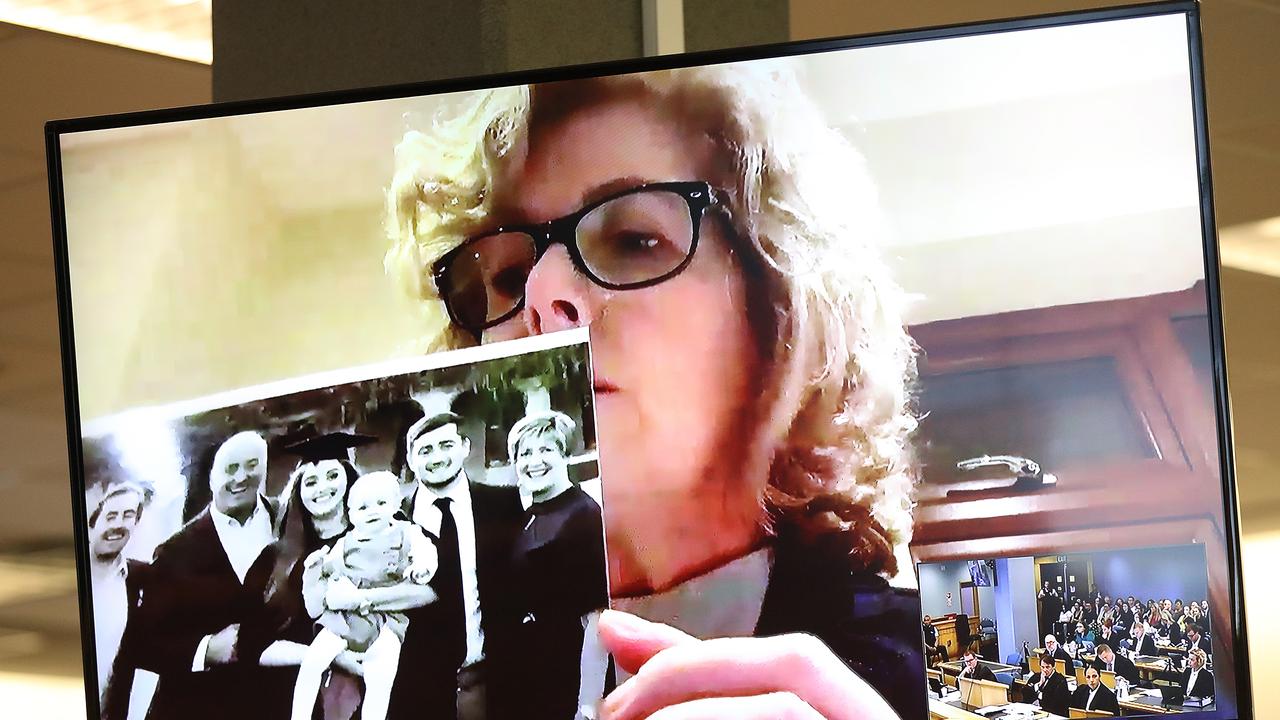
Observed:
{"x":631,"y":239}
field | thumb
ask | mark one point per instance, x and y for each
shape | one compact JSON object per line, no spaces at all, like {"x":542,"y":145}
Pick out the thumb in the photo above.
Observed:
{"x":633,"y":640}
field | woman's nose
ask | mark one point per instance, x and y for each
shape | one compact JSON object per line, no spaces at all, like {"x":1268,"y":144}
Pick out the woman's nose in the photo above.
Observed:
{"x":557,"y":296}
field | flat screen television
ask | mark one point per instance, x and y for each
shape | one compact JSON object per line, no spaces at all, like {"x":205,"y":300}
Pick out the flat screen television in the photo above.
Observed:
{"x":490,"y":391}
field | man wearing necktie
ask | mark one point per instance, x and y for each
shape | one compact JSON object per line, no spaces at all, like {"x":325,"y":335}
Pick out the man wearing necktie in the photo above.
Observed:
{"x":455,"y":649}
{"x":1109,"y":661}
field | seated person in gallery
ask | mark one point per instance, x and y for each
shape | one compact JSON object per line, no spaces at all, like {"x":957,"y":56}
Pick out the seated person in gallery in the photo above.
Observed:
{"x":1122,"y":666}
{"x":1172,"y":630}
{"x":1054,"y":650}
{"x":1050,"y":688}
{"x":931,"y":647}
{"x":1196,"y":639}
{"x":975,"y":670}
{"x":1090,"y":614}
{"x":1196,"y":681}
{"x":1108,"y":634}
{"x":1077,"y":611}
{"x":1083,"y":636}
{"x":1143,"y":642}
{"x":1093,"y":695}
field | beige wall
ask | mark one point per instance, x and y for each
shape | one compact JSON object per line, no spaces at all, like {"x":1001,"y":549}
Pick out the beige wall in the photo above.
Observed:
{"x":178,"y":234}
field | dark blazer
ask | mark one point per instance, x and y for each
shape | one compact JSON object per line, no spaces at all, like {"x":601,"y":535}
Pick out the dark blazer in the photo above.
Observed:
{"x":982,"y":672}
{"x":115,"y":698}
{"x":873,"y":627}
{"x":1104,"y":700}
{"x":1053,"y":693}
{"x":1060,"y":653}
{"x":1147,"y":646}
{"x":1124,"y":668}
{"x":426,"y":685}
{"x":1112,"y":639}
{"x":1201,"y":644}
{"x":560,"y":576}
{"x":1203,"y":687}
{"x":192,"y":592}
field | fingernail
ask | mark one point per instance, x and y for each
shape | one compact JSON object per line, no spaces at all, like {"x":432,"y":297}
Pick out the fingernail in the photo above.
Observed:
{"x":624,"y":623}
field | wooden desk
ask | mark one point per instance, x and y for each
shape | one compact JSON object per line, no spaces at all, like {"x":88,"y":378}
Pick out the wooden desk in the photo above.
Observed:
{"x":939,"y":710}
{"x":944,"y":710}
{"x":1149,"y":667}
{"x":1152,"y":705}
{"x":953,"y":667}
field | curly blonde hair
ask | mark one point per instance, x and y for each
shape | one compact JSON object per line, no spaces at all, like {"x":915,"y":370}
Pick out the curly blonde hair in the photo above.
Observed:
{"x":836,"y":408}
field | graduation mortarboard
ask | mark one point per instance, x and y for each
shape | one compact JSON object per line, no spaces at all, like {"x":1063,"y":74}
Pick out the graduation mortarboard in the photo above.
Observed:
{"x":330,"y":446}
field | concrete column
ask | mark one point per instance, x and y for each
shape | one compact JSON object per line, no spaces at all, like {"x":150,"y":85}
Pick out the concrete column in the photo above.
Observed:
{"x":265,"y":49}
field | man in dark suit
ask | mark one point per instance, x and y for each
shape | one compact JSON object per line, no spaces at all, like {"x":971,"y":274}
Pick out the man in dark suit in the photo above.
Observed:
{"x":201,"y":590}
{"x":1050,"y":688}
{"x":1196,"y":681}
{"x":1054,"y":649}
{"x":1107,"y":659}
{"x":1196,"y":639}
{"x":1093,"y":695}
{"x":116,"y":589}
{"x":974,"y":669}
{"x":1143,"y":643}
{"x":456,"y":653}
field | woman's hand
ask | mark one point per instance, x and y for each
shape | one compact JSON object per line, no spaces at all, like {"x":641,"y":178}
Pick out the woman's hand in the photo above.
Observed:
{"x":677,"y":677}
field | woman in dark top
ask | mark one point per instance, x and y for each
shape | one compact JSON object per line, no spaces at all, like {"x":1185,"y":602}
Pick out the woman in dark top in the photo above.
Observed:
{"x":753,"y":373}
{"x":559,"y":567}
{"x":313,"y":517}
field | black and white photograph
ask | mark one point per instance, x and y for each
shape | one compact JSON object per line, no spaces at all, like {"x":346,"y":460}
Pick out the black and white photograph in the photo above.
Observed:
{"x":417,"y":539}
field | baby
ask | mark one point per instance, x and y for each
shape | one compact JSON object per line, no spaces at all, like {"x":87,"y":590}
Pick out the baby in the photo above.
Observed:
{"x":378,"y":551}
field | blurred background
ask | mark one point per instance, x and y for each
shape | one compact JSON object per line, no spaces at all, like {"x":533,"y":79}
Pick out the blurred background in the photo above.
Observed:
{"x":67,"y":58}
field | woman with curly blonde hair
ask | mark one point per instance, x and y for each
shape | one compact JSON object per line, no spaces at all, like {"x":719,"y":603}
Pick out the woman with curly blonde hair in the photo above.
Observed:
{"x":751,"y":367}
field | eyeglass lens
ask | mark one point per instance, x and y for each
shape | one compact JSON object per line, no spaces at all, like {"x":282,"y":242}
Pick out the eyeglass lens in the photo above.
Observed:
{"x":627,"y":241}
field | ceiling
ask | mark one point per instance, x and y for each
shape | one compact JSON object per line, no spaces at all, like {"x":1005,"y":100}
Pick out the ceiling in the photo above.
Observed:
{"x":177,"y":28}
{"x":44,"y":76}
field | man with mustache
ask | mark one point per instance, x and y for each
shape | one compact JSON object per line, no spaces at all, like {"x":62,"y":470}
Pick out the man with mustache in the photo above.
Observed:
{"x":451,"y":663}
{"x":117,"y":588}
{"x":205,"y":581}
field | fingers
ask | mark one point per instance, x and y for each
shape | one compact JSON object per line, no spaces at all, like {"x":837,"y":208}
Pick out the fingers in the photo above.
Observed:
{"x":799,"y":665}
{"x":633,"y":640}
{"x":771,"y":706}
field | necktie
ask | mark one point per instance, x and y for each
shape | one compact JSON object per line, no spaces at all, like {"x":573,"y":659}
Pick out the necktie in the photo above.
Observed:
{"x":448,"y":585}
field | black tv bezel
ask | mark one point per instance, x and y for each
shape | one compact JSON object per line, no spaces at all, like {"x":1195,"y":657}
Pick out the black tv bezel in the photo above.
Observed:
{"x":55,"y":129}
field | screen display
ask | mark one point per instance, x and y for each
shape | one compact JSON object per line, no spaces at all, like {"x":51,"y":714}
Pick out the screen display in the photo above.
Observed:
{"x":887,"y":339}
{"x":1121,"y":631}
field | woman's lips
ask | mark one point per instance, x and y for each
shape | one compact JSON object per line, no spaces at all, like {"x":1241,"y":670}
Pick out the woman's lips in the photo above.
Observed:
{"x":604,"y":387}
